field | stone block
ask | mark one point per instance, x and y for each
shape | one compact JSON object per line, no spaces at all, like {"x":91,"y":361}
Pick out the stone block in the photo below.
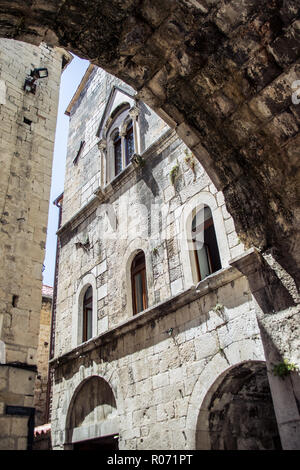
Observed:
{"x":206,"y":346}
{"x":161,"y":380}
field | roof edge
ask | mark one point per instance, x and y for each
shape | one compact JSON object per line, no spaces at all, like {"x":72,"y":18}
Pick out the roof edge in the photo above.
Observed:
{"x":79,"y":89}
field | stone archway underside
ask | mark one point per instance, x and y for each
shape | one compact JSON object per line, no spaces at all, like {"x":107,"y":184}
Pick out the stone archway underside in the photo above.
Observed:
{"x":220,"y":71}
{"x":239,"y":412}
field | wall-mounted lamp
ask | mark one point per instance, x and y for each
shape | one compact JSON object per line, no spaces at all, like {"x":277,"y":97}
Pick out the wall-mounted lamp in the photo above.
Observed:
{"x":35,"y":74}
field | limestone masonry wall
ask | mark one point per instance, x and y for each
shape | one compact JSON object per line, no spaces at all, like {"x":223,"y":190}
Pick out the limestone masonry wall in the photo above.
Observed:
{"x":27,"y":129}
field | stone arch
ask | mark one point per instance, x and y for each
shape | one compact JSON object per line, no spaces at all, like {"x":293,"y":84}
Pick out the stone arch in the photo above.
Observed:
{"x":222,"y":99}
{"x":197,"y":201}
{"x":92,"y":411}
{"x":237,"y":411}
{"x":77,"y":315}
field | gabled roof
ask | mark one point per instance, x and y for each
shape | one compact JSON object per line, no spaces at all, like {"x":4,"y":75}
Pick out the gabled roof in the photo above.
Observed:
{"x":79,"y":89}
{"x":116,"y":97}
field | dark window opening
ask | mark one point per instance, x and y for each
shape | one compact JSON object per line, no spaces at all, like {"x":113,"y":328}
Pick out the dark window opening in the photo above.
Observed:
{"x":87,"y":314}
{"x":15,"y":299}
{"x":206,"y":250}
{"x":118,"y":154}
{"x":139,"y":283}
{"x":129,"y":143}
{"x":82,"y":143}
{"x":27,"y":121}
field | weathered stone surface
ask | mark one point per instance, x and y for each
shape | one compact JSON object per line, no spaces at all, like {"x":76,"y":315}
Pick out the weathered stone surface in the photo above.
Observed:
{"x":224,"y":74}
{"x":27,"y":128}
{"x":183,"y":53}
{"x":158,"y":363}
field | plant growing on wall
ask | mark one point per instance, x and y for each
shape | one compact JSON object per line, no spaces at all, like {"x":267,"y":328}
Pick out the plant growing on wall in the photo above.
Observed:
{"x":282,"y":369}
{"x":174,"y":173}
{"x":218,"y":308}
{"x":155,"y":251}
{"x":190,"y":160}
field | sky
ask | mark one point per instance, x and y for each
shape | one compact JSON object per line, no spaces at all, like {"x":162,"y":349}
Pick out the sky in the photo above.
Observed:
{"x":70,"y":80}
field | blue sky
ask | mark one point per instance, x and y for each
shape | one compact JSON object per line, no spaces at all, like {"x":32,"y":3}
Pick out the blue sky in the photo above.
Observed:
{"x":71,"y":78}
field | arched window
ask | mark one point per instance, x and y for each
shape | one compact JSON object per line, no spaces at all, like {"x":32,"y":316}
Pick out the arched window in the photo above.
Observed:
{"x":129,"y":143}
{"x":139,"y":283}
{"x":87,"y":323}
{"x":206,"y":250}
{"x":117,"y":153}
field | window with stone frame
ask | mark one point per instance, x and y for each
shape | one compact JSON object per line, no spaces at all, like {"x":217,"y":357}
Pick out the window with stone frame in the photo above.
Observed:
{"x":206,"y":251}
{"x":119,"y":141}
{"x":87,"y":322}
{"x":139,"y":283}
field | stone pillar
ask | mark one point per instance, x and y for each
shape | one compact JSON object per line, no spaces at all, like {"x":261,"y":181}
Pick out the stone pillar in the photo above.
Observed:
{"x":103,"y":163}
{"x":134,"y":114}
{"x":27,"y":131}
{"x":123,"y":144}
{"x":278,"y":309}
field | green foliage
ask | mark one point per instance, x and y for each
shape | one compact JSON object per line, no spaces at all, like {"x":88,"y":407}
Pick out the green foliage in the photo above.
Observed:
{"x":218,"y":308}
{"x":190,"y":160}
{"x":282,"y":369}
{"x":174,"y":173}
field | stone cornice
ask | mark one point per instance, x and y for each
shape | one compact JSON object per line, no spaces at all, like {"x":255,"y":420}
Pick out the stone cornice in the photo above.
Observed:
{"x":79,"y":217}
{"x":209,"y":284}
{"x":102,"y":195}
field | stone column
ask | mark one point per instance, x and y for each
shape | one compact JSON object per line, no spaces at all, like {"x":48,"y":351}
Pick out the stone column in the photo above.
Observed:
{"x":134,"y":114}
{"x":123,"y":142}
{"x":102,"y":144}
{"x":278,"y":308}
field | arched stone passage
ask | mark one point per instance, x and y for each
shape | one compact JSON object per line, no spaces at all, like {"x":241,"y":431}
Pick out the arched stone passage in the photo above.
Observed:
{"x":92,"y":412}
{"x":237,"y":412}
{"x":221,"y":72}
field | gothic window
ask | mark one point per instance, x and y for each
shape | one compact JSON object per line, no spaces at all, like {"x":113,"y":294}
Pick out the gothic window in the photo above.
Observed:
{"x":139,"y":283}
{"x":206,"y":250}
{"x":119,"y":141}
{"x":87,"y":314}
{"x":118,"y":154}
{"x":129,"y":143}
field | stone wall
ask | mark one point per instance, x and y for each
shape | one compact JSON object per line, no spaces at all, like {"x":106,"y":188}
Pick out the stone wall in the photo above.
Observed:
{"x":41,"y":383}
{"x":160,"y":365}
{"x":27,"y":129}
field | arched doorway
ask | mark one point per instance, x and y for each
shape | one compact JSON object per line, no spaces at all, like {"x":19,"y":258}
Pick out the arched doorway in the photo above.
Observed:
{"x":237,"y":412}
{"x":92,"y":422}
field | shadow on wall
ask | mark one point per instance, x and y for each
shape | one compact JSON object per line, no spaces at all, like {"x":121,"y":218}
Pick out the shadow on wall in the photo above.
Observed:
{"x":144,"y":126}
{"x":92,"y":405}
{"x":237,"y":412}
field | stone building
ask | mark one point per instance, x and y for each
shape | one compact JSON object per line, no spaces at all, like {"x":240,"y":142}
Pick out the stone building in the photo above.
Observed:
{"x":41,"y":383}
{"x":157,"y":342}
{"x":42,"y":430}
{"x":224,"y":74}
{"x":29,"y":90}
